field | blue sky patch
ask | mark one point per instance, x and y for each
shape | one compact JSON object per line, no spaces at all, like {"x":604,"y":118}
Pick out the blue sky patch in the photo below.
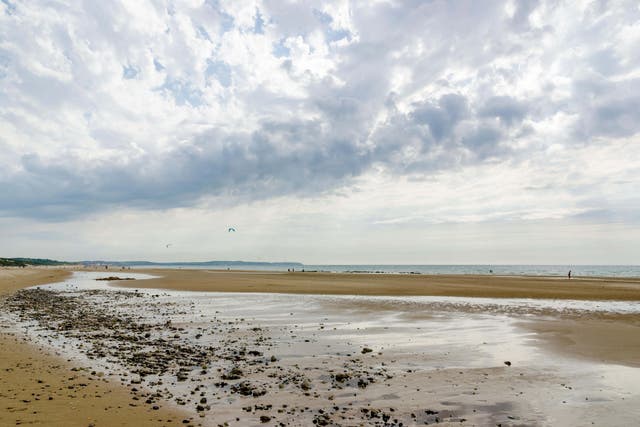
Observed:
{"x":182,"y":92}
{"x":220,"y":70}
{"x":129,"y":72}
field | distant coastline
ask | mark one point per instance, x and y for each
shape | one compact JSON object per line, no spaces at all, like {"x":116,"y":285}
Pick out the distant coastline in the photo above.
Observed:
{"x":205,"y":264}
{"x":578,"y":270}
{"x":23,"y":262}
{"x":417,"y":269}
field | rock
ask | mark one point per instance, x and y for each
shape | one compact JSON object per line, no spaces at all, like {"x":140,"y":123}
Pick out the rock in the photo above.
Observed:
{"x":341,"y":377}
{"x":234,"y":373}
{"x":245,"y":388}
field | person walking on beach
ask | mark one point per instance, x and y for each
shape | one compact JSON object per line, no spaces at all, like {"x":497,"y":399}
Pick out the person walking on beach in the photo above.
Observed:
{"x":569,"y":275}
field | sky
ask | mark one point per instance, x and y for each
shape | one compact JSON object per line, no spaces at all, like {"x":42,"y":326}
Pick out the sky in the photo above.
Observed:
{"x":333,"y":132}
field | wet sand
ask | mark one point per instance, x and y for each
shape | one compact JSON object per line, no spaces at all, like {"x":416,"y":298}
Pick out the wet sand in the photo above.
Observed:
{"x":42,"y":388}
{"x":392,"y":284}
{"x":612,"y":339}
{"x":319,"y":371}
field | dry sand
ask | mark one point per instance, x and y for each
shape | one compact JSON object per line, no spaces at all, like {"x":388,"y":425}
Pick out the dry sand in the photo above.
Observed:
{"x":393,"y":284}
{"x":12,"y":279}
{"x":43,"y":389}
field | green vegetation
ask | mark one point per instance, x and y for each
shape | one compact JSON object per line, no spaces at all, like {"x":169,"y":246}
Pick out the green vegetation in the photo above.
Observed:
{"x":23,"y":262}
{"x":8,"y":262}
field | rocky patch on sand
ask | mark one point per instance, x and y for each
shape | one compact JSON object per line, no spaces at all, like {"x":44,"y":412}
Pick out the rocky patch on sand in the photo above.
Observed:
{"x":220,"y":371}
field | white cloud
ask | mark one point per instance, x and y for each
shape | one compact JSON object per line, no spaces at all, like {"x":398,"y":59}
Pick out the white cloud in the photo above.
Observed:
{"x":168,"y":105}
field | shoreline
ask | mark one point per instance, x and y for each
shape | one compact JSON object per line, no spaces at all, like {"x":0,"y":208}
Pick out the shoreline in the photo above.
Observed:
{"x":609,"y":338}
{"x":599,"y":339}
{"x":623,"y":289}
{"x":42,"y":387}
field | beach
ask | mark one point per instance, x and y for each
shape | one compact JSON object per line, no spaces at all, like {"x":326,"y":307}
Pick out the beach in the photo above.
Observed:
{"x":591,"y":337}
{"x":301,"y":213}
{"x":41,"y":387}
{"x":263,"y":348}
{"x":488,"y":286}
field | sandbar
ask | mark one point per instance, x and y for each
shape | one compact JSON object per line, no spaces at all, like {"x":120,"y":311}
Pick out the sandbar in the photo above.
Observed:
{"x":623,"y":289}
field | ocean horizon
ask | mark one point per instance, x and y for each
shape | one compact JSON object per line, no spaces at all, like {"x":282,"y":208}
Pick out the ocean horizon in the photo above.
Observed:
{"x":482,"y":269}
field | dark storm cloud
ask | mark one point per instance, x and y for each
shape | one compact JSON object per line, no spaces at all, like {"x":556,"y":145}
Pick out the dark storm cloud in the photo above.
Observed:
{"x":280,"y":158}
{"x":292,"y":157}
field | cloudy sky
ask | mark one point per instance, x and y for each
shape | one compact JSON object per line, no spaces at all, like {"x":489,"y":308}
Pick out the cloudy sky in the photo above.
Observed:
{"x":324,"y":132}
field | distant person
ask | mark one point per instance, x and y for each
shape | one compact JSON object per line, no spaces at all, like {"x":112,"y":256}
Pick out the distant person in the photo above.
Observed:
{"x":569,"y":275}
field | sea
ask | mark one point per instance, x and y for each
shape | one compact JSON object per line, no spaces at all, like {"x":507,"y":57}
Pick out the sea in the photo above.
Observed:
{"x":488,"y":269}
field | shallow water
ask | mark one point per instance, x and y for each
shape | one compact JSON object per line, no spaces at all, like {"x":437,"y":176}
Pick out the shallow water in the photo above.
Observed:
{"x":428,"y":334}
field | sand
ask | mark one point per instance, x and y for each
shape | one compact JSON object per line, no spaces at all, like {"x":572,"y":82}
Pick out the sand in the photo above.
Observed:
{"x":393,"y":284}
{"x":42,"y":388}
{"x":614,"y":339}
{"x":12,"y":279}
{"x":82,"y":398}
